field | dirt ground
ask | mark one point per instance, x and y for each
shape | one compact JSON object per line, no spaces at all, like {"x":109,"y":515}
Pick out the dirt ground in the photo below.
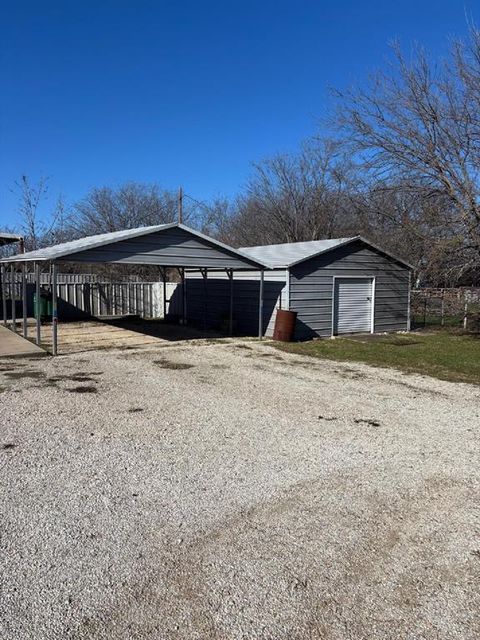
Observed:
{"x":225,"y":490}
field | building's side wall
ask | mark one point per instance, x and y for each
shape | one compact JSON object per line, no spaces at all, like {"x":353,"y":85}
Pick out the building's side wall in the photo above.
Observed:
{"x":311,"y":289}
{"x":212,"y":300}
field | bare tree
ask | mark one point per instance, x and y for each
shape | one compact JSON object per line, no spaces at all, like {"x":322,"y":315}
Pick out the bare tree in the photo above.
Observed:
{"x":293,"y":197}
{"x":131,"y":205}
{"x":39,"y":225}
{"x":30,"y":198}
{"x":415,"y":131}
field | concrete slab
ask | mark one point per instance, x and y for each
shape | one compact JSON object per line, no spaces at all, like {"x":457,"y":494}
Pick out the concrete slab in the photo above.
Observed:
{"x":13,"y":345}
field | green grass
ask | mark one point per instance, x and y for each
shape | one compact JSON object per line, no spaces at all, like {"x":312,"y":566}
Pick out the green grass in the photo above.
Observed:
{"x":441,"y":354}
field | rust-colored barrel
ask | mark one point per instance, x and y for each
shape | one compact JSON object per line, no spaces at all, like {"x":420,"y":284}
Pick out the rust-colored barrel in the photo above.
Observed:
{"x":284,"y":325}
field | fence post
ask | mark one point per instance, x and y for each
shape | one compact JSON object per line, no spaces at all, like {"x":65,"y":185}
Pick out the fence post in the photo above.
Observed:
{"x":4,"y":294}
{"x":465,"y":316}
{"x":442,"y":321}
{"x":425,"y":311}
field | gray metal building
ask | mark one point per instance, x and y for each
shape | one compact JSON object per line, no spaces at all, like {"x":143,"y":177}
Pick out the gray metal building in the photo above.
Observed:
{"x":338,"y":286}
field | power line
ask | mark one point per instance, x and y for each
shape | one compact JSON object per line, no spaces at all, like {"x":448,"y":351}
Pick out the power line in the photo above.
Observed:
{"x":200,"y":203}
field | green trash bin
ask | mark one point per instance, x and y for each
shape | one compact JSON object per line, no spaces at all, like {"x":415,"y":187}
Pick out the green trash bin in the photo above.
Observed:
{"x":43,"y":309}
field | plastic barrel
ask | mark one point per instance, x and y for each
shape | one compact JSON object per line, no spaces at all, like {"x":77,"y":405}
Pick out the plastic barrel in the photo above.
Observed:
{"x":284,"y":325}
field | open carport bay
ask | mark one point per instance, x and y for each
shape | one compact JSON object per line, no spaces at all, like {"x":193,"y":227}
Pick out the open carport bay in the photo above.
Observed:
{"x":222,"y":489}
{"x":119,"y":333}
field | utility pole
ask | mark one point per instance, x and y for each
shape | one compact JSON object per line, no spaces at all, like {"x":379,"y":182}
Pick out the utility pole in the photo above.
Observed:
{"x":180,"y":205}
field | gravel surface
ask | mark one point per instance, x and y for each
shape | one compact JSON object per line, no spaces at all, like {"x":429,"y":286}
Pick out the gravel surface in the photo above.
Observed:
{"x":226,"y":490}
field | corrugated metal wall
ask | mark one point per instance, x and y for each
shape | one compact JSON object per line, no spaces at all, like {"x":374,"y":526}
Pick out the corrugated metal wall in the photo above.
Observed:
{"x":170,"y":247}
{"x":214,"y":299}
{"x":311,"y":289}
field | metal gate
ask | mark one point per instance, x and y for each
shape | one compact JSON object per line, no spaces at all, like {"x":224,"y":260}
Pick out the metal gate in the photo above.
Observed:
{"x":353,"y":305}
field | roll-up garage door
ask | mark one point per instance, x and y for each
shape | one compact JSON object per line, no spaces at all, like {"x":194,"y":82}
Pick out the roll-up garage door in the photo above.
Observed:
{"x":353,"y":305}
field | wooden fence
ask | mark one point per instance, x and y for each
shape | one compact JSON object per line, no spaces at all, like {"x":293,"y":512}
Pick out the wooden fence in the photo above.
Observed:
{"x":98,"y":299}
{"x":114,"y":299}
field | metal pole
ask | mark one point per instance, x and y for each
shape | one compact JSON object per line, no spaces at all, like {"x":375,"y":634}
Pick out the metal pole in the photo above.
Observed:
{"x":164,"y":293}
{"x":205,"y":293}
{"x":180,"y":205}
{"x":37,"y":303}
{"x":54,"y":310}
{"x":260,"y":306}
{"x":184,"y":292}
{"x":230,"y":315}
{"x":4,"y":295}
{"x":24,"y":299}
{"x":12,"y":297}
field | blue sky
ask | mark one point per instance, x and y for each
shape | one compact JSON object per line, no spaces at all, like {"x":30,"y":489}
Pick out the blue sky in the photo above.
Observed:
{"x":98,"y":93}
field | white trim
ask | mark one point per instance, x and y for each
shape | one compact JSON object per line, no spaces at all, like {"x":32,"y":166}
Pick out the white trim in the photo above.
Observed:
{"x":287,"y":290}
{"x":372,"y":319}
{"x":372,"y":323}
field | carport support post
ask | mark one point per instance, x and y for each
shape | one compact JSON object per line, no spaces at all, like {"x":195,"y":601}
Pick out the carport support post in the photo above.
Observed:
{"x":184,"y":295}
{"x":164,"y":272}
{"x":54,"y":310}
{"x":260,"y":306}
{"x":230,"y":313}
{"x":12,"y":296}
{"x":24,"y":299}
{"x":4,"y":295}
{"x":37,"y":303}
{"x":205,"y":298}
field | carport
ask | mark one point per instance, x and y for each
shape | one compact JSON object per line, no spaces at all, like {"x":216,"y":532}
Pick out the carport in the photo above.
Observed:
{"x":172,"y":246}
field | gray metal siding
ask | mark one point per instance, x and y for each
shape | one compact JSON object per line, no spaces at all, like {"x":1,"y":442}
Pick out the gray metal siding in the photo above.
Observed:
{"x":215,"y":306}
{"x":169,"y":247}
{"x":311,"y":289}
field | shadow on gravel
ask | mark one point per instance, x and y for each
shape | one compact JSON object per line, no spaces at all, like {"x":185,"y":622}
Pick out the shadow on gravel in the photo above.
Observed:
{"x":84,"y":389}
{"x":168,"y":364}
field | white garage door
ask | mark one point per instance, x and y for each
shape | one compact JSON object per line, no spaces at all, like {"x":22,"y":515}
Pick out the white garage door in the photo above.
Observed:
{"x":353,"y":305}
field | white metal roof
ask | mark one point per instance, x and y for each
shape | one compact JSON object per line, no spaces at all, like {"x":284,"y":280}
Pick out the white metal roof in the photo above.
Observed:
{"x":285,"y":255}
{"x":65,"y":249}
{"x":291,"y":253}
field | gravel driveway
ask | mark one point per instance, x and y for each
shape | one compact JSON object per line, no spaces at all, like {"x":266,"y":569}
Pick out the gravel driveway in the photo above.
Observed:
{"x":225,"y":490}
